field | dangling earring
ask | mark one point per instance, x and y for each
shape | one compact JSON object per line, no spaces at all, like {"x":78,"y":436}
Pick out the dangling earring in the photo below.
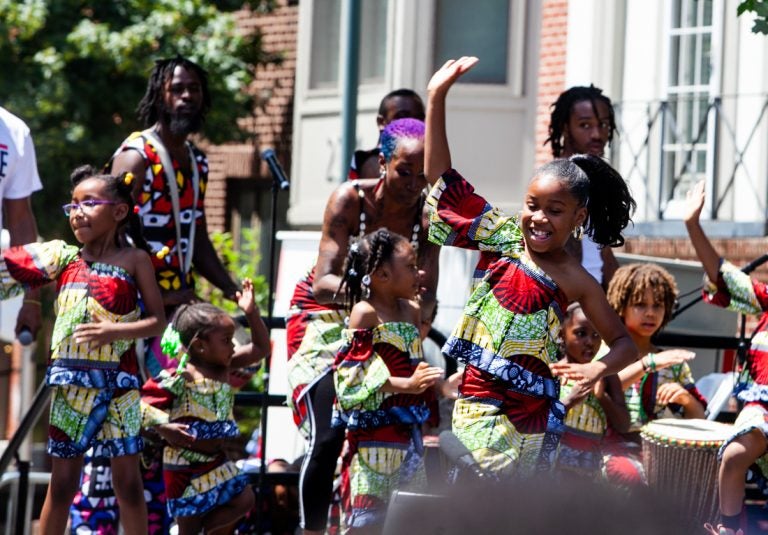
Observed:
{"x":366,"y":284}
{"x":383,"y":173}
{"x":578,"y":233}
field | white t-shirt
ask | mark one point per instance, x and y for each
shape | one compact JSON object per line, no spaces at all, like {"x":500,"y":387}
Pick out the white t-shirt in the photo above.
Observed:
{"x":591,"y":259}
{"x":18,"y":165}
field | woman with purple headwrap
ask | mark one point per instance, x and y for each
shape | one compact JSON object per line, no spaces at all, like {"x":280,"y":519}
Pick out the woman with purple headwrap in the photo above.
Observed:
{"x":315,"y":321}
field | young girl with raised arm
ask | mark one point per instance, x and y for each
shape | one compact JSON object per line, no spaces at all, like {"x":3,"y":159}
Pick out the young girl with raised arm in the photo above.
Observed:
{"x":92,"y":368}
{"x":587,"y":417}
{"x":508,"y":412}
{"x":381,"y":379}
{"x":660,"y":381}
{"x":191,"y":409}
{"x":731,"y":288}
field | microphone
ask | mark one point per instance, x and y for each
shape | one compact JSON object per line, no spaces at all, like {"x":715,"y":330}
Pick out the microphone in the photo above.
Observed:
{"x":25,"y":336}
{"x":459,"y":455}
{"x":278,"y":175}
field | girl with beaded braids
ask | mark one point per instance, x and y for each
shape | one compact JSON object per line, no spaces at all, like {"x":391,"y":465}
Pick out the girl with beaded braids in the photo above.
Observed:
{"x":191,"y":409}
{"x":92,"y":368}
{"x":316,"y":316}
{"x":381,"y":379}
{"x":508,"y":413}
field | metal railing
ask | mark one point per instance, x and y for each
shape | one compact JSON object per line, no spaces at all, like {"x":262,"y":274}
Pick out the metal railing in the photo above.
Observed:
{"x":661,"y":147}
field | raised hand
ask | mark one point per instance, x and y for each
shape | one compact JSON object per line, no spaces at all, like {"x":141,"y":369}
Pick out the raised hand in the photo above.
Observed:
{"x":451,"y":70}
{"x":694,"y":202}
{"x":245,"y":298}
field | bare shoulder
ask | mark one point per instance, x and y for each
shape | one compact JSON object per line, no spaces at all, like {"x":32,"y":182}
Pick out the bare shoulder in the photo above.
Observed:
{"x":129,"y":160}
{"x":136,"y":259}
{"x":363,"y":316}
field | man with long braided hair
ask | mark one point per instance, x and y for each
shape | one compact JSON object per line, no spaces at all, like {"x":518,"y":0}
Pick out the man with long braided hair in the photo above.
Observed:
{"x":583,"y":122}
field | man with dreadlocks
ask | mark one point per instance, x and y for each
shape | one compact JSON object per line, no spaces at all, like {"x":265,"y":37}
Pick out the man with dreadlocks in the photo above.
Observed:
{"x":170,"y":199}
{"x":582,"y":122}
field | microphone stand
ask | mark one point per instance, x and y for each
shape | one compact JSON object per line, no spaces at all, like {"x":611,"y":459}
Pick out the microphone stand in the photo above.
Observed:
{"x":279,"y":183}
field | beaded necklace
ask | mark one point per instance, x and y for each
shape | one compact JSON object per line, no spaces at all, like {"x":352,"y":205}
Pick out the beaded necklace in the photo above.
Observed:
{"x":416,"y":224}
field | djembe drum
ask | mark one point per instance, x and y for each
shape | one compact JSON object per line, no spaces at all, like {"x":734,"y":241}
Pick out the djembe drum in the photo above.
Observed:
{"x":680,"y":460}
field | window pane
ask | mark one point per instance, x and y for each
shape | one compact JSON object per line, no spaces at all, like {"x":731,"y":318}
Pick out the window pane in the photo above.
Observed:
{"x":324,"y":66}
{"x":487,"y":37}
{"x":707,"y":18}
{"x":706,"y":59}
{"x":677,"y":7}
{"x":373,"y":40}
{"x":687,"y":55}
{"x":690,"y":11}
{"x":674,"y":60}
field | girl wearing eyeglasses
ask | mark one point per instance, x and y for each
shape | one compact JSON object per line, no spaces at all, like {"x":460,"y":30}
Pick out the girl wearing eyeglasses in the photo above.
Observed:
{"x":92,"y":371}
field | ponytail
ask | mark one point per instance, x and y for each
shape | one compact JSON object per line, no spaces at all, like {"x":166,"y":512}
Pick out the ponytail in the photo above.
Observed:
{"x":610,"y":204}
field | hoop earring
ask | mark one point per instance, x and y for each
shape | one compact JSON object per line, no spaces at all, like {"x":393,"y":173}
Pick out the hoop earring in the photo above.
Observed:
{"x":366,"y":284}
{"x":578,"y":233}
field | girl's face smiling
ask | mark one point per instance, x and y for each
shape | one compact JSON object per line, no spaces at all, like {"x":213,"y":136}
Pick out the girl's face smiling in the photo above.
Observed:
{"x":90,"y":223}
{"x":550,"y":213}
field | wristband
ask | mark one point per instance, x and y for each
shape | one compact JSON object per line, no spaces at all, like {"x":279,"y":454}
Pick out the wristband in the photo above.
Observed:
{"x":643,"y":364}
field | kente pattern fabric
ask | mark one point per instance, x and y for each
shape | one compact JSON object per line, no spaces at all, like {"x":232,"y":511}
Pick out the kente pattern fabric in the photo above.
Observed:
{"x":508,"y":413}
{"x":385,"y":447}
{"x":195,"y":482}
{"x":156,"y":210}
{"x":95,"y":401}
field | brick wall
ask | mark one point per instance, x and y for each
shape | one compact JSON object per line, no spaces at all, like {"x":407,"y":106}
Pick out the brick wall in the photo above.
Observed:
{"x":271,"y":123}
{"x":554,"y":33}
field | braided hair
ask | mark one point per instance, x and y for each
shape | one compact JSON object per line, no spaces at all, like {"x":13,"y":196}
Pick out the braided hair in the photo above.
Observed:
{"x":364,"y":256}
{"x":151,"y":103}
{"x":598,"y":186}
{"x":118,"y":188}
{"x":563,"y":107}
{"x":630,"y":282}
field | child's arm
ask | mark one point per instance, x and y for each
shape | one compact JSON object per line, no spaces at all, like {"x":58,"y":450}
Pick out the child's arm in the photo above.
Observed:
{"x":423,"y":377}
{"x":585,"y":289}
{"x":259,"y":346}
{"x":652,"y":362}
{"x":610,"y":395}
{"x":437,"y":154}
{"x":706,"y":252}
{"x":103,"y":332}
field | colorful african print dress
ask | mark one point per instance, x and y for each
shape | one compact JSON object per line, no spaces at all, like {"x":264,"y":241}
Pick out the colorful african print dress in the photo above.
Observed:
{"x":95,"y":399}
{"x":508,"y":413}
{"x":314,"y":333}
{"x":580,"y":449}
{"x":195,"y":482}
{"x":385,"y":447}
{"x":736,"y":291}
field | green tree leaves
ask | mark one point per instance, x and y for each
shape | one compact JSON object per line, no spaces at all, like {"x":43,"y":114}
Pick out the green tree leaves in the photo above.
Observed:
{"x":75,"y":70}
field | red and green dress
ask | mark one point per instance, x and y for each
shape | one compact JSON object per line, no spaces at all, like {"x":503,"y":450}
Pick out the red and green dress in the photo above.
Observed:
{"x":385,"y":447}
{"x":508,"y":413}
{"x":95,"y":396}
{"x":195,"y":482}
{"x":735,"y":290}
{"x":580,"y":449}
